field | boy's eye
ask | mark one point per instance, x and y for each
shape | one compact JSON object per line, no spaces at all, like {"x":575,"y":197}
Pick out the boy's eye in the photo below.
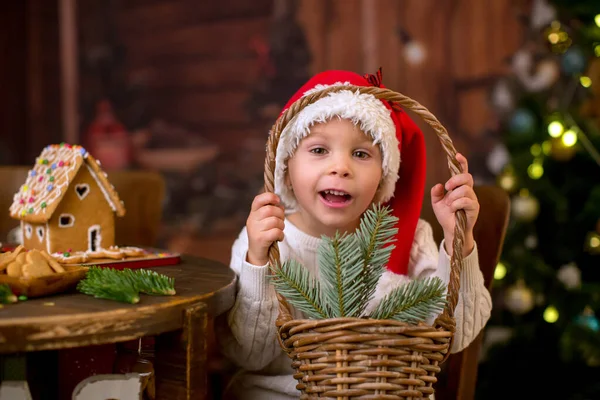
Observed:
{"x":361,"y":154}
{"x":318,"y":150}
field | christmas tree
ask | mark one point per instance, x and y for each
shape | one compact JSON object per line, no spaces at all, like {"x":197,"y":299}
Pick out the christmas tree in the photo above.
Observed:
{"x":543,"y":339}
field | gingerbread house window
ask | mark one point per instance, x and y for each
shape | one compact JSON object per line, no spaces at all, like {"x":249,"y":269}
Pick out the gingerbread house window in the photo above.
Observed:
{"x":66,"y":220}
{"x":28,"y":231}
{"x":82,"y":190}
{"x":40,"y":233}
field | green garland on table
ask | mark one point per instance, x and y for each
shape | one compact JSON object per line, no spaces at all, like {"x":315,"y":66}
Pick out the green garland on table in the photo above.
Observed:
{"x":350,"y":266}
{"x":126,"y":285}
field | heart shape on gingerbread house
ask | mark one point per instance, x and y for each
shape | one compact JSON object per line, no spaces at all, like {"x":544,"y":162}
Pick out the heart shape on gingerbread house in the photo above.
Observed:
{"x":82,"y":190}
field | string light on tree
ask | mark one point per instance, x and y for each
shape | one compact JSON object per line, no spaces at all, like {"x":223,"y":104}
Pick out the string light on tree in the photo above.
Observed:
{"x":500,"y":271}
{"x":551,"y":314}
{"x":592,"y":243}
{"x":535,"y":170}
{"x":585,"y":81}
{"x":559,"y":39}
{"x":569,"y":138}
{"x":555,"y":129}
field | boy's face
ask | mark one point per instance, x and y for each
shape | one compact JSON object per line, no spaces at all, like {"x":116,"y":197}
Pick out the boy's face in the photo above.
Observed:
{"x":334,"y":173}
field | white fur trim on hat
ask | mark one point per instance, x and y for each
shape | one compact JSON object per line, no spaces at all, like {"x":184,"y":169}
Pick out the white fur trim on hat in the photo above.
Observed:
{"x":365,"y":111}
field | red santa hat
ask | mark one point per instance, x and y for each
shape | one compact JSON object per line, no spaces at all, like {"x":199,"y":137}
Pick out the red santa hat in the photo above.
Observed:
{"x":403,"y":183}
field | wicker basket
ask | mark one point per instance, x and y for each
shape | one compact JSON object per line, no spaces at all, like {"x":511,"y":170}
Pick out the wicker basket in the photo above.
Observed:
{"x":358,"y":358}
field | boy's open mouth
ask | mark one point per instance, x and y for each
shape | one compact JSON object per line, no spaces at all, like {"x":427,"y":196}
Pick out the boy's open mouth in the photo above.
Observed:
{"x":335,"y":196}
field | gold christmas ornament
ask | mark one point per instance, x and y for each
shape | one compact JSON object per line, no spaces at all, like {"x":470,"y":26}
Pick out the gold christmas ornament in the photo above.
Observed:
{"x":507,"y":180}
{"x":560,"y":152}
{"x":524,"y":206}
{"x":519,"y":299}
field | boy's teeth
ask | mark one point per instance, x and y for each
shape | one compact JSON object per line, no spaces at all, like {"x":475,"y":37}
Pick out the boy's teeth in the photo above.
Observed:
{"x":335,"y":192}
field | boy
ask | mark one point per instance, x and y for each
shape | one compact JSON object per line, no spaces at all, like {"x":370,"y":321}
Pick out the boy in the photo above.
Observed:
{"x":336,"y":158}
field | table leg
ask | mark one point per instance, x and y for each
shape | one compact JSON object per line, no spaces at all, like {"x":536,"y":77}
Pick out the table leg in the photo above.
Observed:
{"x":180,"y":362}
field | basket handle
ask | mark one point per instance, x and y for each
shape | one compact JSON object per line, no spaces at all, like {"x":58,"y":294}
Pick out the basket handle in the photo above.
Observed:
{"x":444,"y":320}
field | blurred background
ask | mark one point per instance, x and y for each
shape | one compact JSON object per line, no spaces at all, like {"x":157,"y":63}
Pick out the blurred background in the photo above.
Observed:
{"x":189,"y":89}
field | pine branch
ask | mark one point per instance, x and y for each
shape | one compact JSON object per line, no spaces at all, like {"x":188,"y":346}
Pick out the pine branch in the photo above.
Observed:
{"x":294,"y":282}
{"x":413,"y":302}
{"x":151,"y":282}
{"x":6,"y":295}
{"x":125,"y":285}
{"x":374,"y":237}
{"x":108,"y":283}
{"x":336,"y":256}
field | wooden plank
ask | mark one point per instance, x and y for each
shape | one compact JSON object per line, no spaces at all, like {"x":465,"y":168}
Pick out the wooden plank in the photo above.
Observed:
{"x":344,"y":36}
{"x":388,"y":42}
{"x":312,"y":18}
{"x":222,"y":39}
{"x":164,"y":16}
{"x":207,"y":74}
{"x":203,"y":108}
{"x":180,"y":363}
{"x":474,"y":114}
{"x":13,"y":80}
{"x":430,"y":82}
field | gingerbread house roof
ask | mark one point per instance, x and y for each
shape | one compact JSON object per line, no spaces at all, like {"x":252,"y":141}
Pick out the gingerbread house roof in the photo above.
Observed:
{"x":48,"y":181}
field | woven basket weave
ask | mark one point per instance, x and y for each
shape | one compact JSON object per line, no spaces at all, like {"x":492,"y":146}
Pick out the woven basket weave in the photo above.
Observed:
{"x":358,"y":358}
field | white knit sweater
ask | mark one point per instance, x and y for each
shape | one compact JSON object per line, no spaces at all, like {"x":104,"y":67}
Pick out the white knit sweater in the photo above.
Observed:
{"x":250,"y":340}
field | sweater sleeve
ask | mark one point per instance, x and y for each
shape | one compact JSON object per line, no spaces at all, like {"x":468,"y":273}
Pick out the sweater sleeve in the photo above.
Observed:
{"x":474,"y":305}
{"x":250,"y":337}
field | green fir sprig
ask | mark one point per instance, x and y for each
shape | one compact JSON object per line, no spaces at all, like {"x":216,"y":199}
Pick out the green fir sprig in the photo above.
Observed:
{"x":350,"y":267}
{"x":6,"y":295}
{"x":294,"y":282}
{"x":151,"y":282}
{"x":125,"y":285}
{"x":108,"y":283}
{"x":412,"y":302}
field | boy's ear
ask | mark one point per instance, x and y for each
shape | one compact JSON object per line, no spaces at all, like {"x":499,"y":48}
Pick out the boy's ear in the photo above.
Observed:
{"x":287,"y":180}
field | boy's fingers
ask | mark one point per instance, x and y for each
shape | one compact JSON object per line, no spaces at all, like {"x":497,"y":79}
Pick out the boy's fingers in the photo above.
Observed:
{"x":458,"y":180}
{"x":437,"y":193}
{"x":461,"y":191}
{"x":269,"y":211}
{"x":462,"y":160}
{"x":264,"y":199}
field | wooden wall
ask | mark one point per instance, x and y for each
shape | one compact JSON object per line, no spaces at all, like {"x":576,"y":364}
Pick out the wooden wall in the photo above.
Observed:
{"x":467,"y":42}
{"x":198,"y":66}
{"x":29,"y":78}
{"x":193,"y":59}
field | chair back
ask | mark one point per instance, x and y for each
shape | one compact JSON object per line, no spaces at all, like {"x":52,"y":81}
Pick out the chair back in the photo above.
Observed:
{"x":143,"y":193}
{"x":459,"y":373}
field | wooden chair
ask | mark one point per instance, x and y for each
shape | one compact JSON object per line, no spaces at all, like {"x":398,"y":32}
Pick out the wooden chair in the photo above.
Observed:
{"x":459,"y":373}
{"x":142,"y":192}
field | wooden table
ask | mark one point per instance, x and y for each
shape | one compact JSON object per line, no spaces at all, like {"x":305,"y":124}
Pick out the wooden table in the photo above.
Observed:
{"x":204,"y":288}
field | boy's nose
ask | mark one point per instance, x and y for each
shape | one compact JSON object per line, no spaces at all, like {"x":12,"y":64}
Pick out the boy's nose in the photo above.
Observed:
{"x":340,"y":167}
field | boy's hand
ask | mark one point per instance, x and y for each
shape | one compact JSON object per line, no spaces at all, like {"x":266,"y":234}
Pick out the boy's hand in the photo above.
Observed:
{"x":459,"y":195}
{"x":264,"y":225}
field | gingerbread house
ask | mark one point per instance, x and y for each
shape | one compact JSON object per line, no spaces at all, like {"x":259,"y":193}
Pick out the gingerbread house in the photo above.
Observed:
{"x":67,"y":203}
